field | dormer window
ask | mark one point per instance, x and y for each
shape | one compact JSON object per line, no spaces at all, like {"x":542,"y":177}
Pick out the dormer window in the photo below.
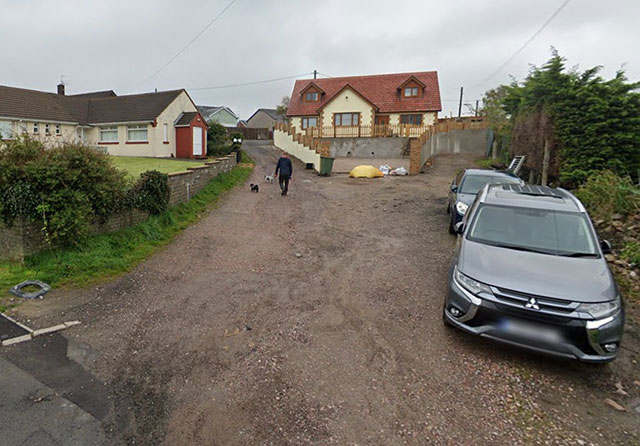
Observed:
{"x":311,"y":93}
{"x":411,"y":88}
{"x":410,"y":92}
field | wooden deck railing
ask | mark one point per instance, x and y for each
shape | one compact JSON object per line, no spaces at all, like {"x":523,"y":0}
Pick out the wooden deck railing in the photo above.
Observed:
{"x":366,"y":131}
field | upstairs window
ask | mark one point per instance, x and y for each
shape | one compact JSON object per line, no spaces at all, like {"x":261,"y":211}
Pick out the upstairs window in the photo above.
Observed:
{"x":137,"y":133}
{"x":311,"y":96}
{"x":36,"y":128}
{"x":346,"y":119}
{"x":58,"y":130}
{"x":47,"y":129}
{"x":410,"y":92}
{"x":309,"y":122}
{"x":109,"y":134}
{"x":411,"y":119}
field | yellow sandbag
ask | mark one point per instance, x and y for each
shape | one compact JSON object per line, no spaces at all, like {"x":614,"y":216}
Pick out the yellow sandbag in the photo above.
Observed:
{"x":364,"y":171}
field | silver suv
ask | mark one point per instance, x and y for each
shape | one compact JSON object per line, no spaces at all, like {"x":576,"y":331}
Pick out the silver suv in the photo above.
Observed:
{"x":529,"y":271}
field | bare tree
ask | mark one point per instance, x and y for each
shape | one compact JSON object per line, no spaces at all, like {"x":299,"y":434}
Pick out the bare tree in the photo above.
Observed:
{"x":282,"y":108}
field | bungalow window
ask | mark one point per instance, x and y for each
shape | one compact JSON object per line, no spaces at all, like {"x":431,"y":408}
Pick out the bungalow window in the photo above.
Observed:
{"x":36,"y":128}
{"x":309,"y":122}
{"x":346,"y":119}
{"x":109,"y":134}
{"x":410,"y":92}
{"x":6,"y":131}
{"x":411,"y":119}
{"x":137,"y":133}
{"x":58,"y":130}
{"x":47,"y":129}
{"x":312,"y":96}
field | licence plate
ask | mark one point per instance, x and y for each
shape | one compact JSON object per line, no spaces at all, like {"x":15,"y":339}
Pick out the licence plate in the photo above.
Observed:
{"x":529,"y":331}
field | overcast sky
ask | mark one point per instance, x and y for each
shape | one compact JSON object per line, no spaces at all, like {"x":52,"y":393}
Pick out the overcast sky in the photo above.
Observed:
{"x":117,"y":44}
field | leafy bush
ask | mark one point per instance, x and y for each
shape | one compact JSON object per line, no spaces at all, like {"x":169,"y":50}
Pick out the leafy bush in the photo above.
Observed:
{"x":67,"y":188}
{"x":588,"y":123}
{"x":222,"y":150}
{"x":151,"y":192}
{"x":63,"y":188}
{"x":605,"y":194}
{"x":217,"y":139}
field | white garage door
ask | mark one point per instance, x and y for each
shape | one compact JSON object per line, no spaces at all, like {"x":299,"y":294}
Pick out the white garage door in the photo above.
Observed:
{"x":197,"y":140}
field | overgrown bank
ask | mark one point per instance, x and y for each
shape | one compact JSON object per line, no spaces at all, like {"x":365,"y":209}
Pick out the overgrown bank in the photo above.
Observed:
{"x":96,"y":258}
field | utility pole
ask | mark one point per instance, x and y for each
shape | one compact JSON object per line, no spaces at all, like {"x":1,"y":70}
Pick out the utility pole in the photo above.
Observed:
{"x":477,"y":102}
{"x":315,"y":73}
{"x":460,"y":104}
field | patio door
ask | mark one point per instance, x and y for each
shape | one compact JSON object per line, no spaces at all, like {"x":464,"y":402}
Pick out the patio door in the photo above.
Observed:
{"x":197,"y":141}
{"x":382,"y":125}
{"x":382,"y":119}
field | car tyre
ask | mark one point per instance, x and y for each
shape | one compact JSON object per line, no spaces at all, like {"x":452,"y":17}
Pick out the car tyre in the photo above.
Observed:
{"x":452,"y":229}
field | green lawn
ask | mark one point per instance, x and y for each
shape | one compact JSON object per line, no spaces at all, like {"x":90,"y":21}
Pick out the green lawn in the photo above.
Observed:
{"x":136,"y":165}
{"x":107,"y":255}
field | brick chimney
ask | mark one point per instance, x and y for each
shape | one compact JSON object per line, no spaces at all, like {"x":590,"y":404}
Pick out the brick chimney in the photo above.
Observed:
{"x":61,"y":88}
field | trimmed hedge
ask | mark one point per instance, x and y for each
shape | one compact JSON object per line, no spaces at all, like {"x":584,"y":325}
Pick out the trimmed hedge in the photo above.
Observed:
{"x":67,"y":188}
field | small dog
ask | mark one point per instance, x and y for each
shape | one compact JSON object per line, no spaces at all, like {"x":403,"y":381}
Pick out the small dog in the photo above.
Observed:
{"x":268,"y":178}
{"x":255,"y":188}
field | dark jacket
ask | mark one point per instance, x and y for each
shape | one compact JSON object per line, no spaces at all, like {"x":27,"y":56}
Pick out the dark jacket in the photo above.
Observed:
{"x":285,"y":167}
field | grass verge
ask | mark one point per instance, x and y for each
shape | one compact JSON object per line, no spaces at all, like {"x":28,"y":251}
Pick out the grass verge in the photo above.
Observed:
{"x":108,"y":255}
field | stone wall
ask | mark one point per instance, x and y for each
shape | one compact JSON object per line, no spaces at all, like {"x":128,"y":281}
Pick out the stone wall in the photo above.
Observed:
{"x":26,"y":238}
{"x":184,"y":185}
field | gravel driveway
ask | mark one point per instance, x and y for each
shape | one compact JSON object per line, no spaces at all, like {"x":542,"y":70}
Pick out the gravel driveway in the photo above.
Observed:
{"x":316,"y":319}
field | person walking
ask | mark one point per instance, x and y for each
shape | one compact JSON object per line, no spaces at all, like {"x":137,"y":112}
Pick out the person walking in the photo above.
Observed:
{"x":285,"y":168}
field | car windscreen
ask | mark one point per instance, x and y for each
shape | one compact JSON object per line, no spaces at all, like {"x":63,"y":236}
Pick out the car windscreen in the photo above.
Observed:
{"x":538,"y":230}
{"x":473,"y":183}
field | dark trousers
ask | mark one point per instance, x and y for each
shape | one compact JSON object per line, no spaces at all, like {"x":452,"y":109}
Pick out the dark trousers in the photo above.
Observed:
{"x":284,"y":183}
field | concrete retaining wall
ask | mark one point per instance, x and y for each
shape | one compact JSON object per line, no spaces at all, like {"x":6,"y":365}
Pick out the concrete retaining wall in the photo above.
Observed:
{"x":26,"y":238}
{"x":466,"y":141}
{"x":372,"y":148}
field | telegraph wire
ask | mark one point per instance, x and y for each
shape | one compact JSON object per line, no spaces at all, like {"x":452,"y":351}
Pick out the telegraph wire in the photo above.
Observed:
{"x":525,"y":44}
{"x":188,"y":44}
{"x":249,"y":83}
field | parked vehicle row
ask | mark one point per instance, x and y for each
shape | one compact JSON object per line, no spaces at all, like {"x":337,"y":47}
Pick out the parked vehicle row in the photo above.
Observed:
{"x":529,"y":270}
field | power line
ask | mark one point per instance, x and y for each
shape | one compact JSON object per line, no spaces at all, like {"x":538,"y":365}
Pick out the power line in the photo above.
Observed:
{"x":525,"y":44}
{"x":249,"y":83}
{"x":188,"y":44}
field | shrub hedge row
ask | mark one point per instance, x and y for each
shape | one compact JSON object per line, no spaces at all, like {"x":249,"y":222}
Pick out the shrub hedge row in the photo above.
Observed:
{"x":67,"y":188}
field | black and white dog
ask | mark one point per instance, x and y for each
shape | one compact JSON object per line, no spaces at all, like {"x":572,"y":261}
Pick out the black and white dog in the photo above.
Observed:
{"x":268,"y":178}
{"x":255,"y":188}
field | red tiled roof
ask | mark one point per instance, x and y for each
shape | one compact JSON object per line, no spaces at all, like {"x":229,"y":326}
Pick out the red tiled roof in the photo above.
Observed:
{"x":381,"y":90}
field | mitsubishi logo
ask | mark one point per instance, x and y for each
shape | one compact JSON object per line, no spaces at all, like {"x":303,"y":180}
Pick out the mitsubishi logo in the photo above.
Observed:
{"x":533,"y":304}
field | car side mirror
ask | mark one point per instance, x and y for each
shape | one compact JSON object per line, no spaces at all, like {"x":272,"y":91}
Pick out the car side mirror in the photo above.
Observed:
{"x":605,"y":246}
{"x":459,"y":227}
{"x":454,"y":188}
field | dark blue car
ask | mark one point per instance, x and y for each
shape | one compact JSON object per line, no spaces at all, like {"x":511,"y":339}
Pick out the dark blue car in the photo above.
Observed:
{"x":465,"y":187}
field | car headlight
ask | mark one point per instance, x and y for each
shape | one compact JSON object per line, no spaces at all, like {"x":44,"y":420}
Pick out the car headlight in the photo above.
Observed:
{"x":461,"y":207}
{"x":473,"y":286}
{"x":601,"y":309}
